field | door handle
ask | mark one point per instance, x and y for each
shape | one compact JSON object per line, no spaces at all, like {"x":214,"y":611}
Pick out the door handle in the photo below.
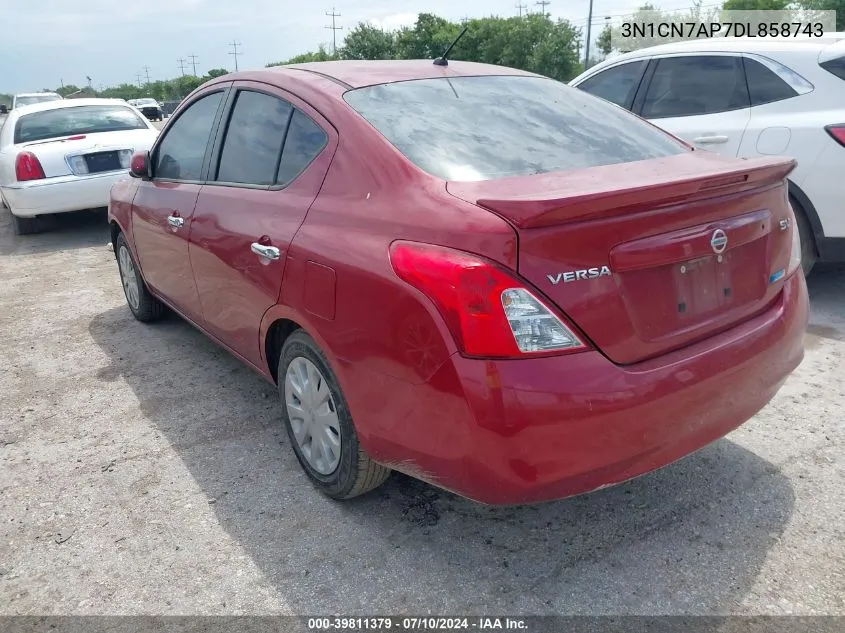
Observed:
{"x":270,"y":252}
{"x":176,"y":223}
{"x":711,"y":140}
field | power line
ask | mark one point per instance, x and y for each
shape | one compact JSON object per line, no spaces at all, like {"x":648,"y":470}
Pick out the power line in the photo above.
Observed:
{"x":520,"y":7}
{"x":194,"y":63}
{"x":334,"y":29}
{"x":542,"y":4}
{"x":181,"y":65}
{"x":235,"y":52}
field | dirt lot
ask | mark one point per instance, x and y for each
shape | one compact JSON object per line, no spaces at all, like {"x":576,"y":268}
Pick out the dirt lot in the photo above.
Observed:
{"x":144,"y":470}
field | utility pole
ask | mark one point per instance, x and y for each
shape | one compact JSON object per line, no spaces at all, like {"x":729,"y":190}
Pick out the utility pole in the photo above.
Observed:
{"x":194,"y":63}
{"x":181,"y":65}
{"x":147,"y":71}
{"x":334,"y":29}
{"x":139,"y":79}
{"x":465,"y":19}
{"x":62,"y":81}
{"x":542,"y":4}
{"x":587,"y":43}
{"x":235,"y":53}
{"x":520,"y":7}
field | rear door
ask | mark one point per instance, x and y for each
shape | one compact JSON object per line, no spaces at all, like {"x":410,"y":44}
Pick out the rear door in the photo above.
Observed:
{"x":162,"y":211}
{"x":270,"y":159}
{"x":702,"y":99}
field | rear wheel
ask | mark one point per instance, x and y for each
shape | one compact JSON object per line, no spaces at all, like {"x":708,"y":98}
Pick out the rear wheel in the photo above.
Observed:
{"x":809,"y":257}
{"x":144,"y":306}
{"x":24,"y":226}
{"x":319,"y":424}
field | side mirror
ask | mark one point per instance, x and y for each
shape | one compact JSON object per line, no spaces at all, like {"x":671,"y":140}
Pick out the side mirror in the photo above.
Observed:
{"x":140,"y":165}
{"x":4,"y":109}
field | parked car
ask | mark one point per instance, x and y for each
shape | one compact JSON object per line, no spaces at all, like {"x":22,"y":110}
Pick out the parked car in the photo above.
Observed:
{"x":4,"y":109}
{"x":65,"y":155}
{"x":150,"y":108}
{"x":475,"y":275}
{"x":750,"y":97}
{"x":29,"y":98}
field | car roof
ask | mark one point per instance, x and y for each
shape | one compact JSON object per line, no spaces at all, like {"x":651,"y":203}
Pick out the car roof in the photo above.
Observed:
{"x":359,"y":73}
{"x":739,"y":45}
{"x":65,"y":103}
{"x":37,"y":94}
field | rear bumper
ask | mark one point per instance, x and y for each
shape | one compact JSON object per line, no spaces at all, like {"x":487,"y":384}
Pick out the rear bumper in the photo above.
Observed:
{"x":512,"y":432}
{"x":62,"y":194}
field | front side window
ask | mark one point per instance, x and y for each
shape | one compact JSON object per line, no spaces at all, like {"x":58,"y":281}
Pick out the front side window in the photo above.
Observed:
{"x":181,"y":152}
{"x":70,"y":121}
{"x":617,"y":84}
{"x":483,"y":128}
{"x":695,"y":85}
{"x":254,"y":139}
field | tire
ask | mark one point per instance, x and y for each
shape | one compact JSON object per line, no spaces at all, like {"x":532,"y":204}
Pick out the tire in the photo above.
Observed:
{"x":144,"y":306}
{"x":353,"y":472}
{"x":24,"y":226}
{"x":809,"y":257}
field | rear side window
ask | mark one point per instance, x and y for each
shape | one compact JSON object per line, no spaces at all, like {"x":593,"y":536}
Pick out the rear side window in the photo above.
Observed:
{"x":482,"y":128}
{"x":91,"y":119}
{"x":254,"y":139}
{"x":618,"y":84}
{"x":305,"y":140}
{"x":764,"y":86}
{"x":694,"y":85}
{"x":835,"y":66}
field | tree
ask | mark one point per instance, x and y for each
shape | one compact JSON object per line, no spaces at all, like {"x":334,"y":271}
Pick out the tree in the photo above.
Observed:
{"x":321,"y":55}
{"x":827,"y":5}
{"x":603,"y":41}
{"x":67,"y":90}
{"x":217,"y":72}
{"x":756,"y":5}
{"x":368,"y":42}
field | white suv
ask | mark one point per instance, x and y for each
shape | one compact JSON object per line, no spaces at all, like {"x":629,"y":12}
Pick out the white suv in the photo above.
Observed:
{"x":34,"y":97}
{"x":750,"y":97}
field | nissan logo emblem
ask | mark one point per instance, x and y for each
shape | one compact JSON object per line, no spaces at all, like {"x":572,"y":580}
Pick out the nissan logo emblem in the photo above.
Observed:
{"x":719,"y":241}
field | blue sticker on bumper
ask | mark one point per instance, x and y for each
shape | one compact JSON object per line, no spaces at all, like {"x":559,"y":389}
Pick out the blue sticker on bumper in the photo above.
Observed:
{"x":777,"y":276}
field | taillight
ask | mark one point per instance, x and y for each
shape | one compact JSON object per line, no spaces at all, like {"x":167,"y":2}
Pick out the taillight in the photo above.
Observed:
{"x":837,"y":132}
{"x":489,"y":312}
{"x":27,"y":167}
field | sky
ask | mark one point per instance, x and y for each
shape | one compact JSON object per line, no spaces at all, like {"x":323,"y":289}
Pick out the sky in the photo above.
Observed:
{"x":44,"y":43}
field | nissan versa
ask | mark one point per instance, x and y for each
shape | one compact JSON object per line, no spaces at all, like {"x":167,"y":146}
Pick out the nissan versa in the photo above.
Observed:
{"x":475,"y":275}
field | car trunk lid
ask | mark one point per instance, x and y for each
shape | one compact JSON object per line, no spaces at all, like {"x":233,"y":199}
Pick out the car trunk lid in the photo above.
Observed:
{"x":650,"y":256}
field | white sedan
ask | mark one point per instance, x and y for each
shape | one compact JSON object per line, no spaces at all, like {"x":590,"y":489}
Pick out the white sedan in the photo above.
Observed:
{"x":65,"y":155}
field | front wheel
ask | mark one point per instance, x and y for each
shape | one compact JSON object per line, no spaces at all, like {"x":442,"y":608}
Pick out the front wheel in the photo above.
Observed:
{"x":144,"y":306}
{"x":319,"y":424}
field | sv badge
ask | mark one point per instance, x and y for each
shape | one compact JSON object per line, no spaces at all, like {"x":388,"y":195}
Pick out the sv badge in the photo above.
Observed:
{"x":579,"y":275}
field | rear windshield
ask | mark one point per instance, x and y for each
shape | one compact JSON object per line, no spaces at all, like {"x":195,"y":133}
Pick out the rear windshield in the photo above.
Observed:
{"x":30,"y":99}
{"x":76,"y":120}
{"x":482,"y":128}
{"x":147,"y":102}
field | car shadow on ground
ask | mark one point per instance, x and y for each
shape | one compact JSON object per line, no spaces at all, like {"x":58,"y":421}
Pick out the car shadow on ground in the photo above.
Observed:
{"x":690,"y":538}
{"x":58,"y":232}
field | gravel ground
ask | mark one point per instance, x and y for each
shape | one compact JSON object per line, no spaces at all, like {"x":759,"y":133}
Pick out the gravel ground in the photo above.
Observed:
{"x":143,"y":470}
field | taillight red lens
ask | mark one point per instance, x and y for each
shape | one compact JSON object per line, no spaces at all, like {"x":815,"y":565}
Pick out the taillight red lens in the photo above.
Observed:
{"x":489,"y":312}
{"x":27,"y":167}
{"x":837,"y":132}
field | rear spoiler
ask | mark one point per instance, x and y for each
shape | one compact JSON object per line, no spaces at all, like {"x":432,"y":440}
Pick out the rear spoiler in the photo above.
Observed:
{"x":598,"y":192}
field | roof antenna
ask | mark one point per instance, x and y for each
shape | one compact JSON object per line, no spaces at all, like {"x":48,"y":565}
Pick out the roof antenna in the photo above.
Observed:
{"x":442,"y":61}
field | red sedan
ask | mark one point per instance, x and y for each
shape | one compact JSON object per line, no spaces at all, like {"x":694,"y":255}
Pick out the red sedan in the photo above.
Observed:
{"x":475,"y":275}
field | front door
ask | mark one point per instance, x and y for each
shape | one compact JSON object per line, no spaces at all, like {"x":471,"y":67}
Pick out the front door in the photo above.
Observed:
{"x":702,"y":99}
{"x":267,"y":167}
{"x":163,"y":207}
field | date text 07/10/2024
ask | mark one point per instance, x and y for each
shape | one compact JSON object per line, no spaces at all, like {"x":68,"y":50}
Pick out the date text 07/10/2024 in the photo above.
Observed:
{"x":423,"y":623}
